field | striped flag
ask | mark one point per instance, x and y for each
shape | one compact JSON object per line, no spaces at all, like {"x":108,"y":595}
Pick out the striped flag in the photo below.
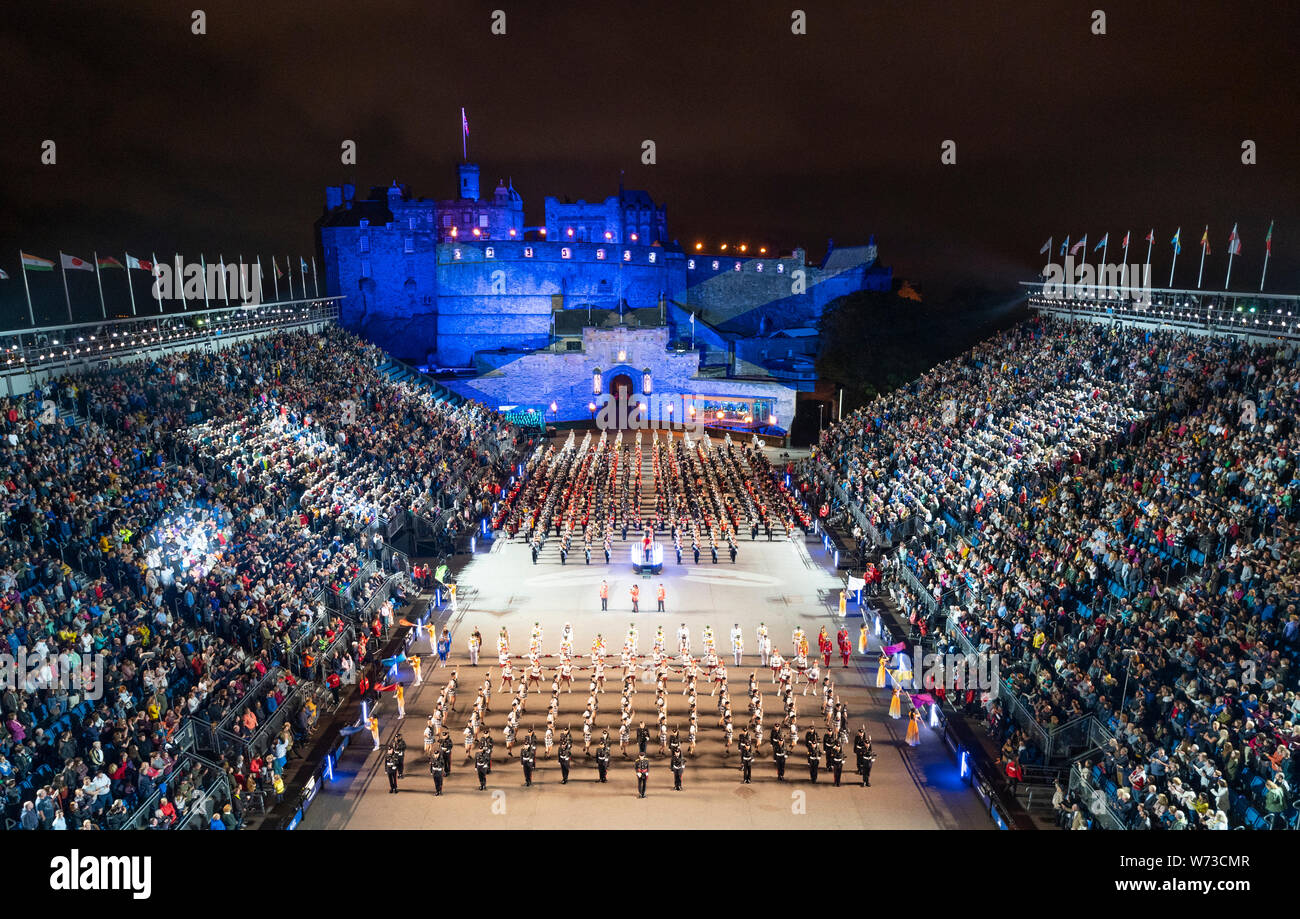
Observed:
{"x":36,"y":263}
{"x":1268,"y":240}
{"x":275,"y":265}
{"x":1178,"y":241}
{"x":1081,"y":244}
{"x":1234,"y":242}
{"x":107,"y":261}
{"x":1205,"y":240}
{"x":1151,"y":237}
{"x":74,"y":263}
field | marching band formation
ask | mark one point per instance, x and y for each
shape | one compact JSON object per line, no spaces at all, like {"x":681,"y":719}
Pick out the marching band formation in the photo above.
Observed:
{"x":768,"y":721}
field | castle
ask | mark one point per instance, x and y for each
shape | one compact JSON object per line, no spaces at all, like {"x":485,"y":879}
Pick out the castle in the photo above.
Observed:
{"x":465,"y":282}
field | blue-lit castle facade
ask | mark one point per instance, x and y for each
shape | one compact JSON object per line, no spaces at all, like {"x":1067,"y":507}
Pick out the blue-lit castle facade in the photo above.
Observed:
{"x":467,"y":282}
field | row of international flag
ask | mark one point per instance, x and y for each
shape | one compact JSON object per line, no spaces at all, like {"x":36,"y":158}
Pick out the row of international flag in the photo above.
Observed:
{"x":66,"y":263}
{"x":1234,"y":248}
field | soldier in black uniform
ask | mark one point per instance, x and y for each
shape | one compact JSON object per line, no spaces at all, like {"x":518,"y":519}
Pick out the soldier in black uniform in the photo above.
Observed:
{"x":528,"y":757}
{"x":565,"y":756}
{"x":814,"y":758}
{"x":564,"y":554}
{"x":642,"y":737}
{"x":390,"y":766}
{"x":829,"y":739}
{"x":746,"y":758}
{"x":642,"y":773}
{"x":810,"y":738}
{"x":837,"y":762}
{"x":587,"y":551}
{"x":865,"y":759}
{"x":779,"y":755}
{"x":482,"y":763}
{"x":713,"y":549}
{"x":435,"y":770}
{"x":446,"y":753}
{"x":602,"y":757}
{"x":753,"y":531}
{"x":859,"y":746}
{"x":733,"y":552}
{"x":679,"y":553}
{"x":399,"y":745}
{"x":678,"y":766}
{"x":696,"y":549}
{"x":534,"y":549}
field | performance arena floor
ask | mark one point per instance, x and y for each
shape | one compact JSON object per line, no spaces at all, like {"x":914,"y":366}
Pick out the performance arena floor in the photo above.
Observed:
{"x":778,"y":583}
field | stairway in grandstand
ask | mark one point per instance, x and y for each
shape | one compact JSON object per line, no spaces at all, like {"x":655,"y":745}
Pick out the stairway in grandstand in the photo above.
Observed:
{"x":399,"y":372}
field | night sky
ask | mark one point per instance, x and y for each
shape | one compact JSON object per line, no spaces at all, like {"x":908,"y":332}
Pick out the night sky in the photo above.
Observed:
{"x":224,"y":142}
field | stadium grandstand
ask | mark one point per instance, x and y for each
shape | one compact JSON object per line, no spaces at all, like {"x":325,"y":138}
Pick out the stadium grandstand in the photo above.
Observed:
{"x":202,"y":527}
{"x":1103,"y":499}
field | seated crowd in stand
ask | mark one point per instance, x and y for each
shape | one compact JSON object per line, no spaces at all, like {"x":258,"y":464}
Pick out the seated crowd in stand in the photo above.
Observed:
{"x":1113,"y":513}
{"x":174,"y":550}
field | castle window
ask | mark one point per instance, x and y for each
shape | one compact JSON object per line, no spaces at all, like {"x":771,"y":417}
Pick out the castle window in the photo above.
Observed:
{"x":482,"y":220}
{"x":528,"y":251}
{"x":365,"y":222}
{"x":363,"y":243}
{"x":469,"y":217}
{"x":446,"y":220}
{"x":566,"y":252}
{"x":365,"y":267}
{"x":408,"y":244}
{"x":690,"y":264}
{"x":410,"y":223}
{"x":455,"y":253}
{"x":600,"y":254}
{"x":489,"y":252}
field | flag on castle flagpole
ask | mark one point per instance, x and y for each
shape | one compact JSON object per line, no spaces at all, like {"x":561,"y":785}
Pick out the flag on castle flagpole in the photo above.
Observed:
{"x":464,"y":135}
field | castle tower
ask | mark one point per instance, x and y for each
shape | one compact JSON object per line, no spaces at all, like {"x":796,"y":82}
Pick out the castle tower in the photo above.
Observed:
{"x":468,"y":173}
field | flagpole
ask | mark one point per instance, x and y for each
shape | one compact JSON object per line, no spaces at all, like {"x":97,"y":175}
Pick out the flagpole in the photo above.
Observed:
{"x":1050,"y":240}
{"x":315,"y":278}
{"x":1229,"y":277}
{"x":1126,"y":234}
{"x":178,"y":283}
{"x":103,"y":310}
{"x":68,"y":299}
{"x":1105,"y":243}
{"x":275,"y":276}
{"x":1205,"y":246}
{"x":203,"y":266}
{"x":1151,"y":240}
{"x":157,"y":285}
{"x":259,"y":279}
{"x":129,"y":288}
{"x":1268,"y":250}
{"x":225,"y":288}
{"x":22,"y":266}
{"x":288,"y":268}
{"x":1177,"y":247}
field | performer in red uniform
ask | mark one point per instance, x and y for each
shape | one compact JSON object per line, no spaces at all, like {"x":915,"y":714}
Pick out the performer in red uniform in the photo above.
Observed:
{"x":824,"y":646}
{"x":845,"y":648}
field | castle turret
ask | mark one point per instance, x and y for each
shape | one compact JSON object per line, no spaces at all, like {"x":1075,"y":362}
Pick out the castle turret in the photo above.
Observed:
{"x":468,"y":173}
